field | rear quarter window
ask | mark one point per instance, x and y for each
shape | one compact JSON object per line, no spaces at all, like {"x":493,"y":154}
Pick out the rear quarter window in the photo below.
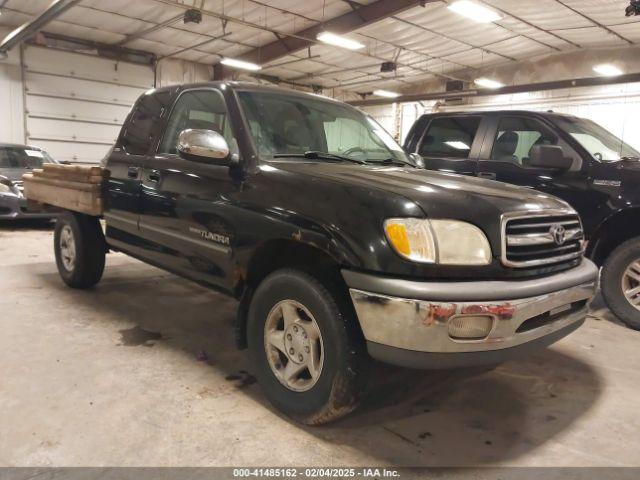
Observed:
{"x":143,"y":123}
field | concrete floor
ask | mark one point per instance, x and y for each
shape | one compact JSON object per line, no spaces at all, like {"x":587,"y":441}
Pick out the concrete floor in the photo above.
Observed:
{"x":143,"y":371}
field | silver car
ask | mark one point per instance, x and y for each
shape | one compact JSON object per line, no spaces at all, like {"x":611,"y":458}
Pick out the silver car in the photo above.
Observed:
{"x":15,"y":161}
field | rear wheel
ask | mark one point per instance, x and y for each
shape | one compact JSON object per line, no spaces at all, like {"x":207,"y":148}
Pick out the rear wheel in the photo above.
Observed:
{"x":621,"y":282}
{"x":305,"y":349}
{"x":80,"y":249}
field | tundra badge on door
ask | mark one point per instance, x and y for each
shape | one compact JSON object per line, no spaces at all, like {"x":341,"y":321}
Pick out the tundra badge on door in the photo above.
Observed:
{"x":214,"y":237}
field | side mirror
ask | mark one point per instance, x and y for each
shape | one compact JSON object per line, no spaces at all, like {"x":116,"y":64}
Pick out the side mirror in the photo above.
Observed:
{"x":549,"y":156}
{"x":204,"y":146}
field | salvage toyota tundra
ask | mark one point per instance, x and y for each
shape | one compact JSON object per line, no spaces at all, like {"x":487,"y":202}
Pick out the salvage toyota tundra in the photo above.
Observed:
{"x":337,"y":247}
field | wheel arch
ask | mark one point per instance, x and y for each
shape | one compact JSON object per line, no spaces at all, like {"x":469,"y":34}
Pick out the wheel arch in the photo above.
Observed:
{"x":615,"y":230}
{"x":276,"y":254}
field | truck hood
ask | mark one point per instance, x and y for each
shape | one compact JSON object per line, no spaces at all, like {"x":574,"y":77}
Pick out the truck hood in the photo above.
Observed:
{"x":439,"y":195}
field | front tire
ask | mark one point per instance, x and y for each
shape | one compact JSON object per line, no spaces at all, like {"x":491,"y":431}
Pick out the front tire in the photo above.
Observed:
{"x":80,"y":249}
{"x":621,"y":282}
{"x":305,"y":348}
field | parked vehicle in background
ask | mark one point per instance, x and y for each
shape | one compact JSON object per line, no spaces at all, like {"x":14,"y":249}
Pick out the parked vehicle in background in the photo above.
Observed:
{"x":570,"y":157}
{"x":338,"y":248}
{"x":15,"y":160}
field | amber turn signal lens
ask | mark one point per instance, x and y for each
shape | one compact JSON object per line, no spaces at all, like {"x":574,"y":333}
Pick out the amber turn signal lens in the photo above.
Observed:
{"x":397,"y":235}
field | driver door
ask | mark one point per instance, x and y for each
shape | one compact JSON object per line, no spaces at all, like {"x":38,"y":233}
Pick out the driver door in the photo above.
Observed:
{"x":186,"y":215}
{"x":505,"y":158}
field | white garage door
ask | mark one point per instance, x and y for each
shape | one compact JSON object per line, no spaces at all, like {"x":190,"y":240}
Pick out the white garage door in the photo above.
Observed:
{"x":76,"y":103}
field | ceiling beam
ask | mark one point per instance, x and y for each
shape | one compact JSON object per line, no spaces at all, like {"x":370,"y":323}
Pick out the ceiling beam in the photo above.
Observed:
{"x":530,"y":87}
{"x":358,"y":18}
{"x":27,"y":30}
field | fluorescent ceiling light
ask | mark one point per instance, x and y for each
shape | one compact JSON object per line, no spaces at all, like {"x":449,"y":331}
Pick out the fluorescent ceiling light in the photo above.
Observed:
{"x":488,"y":83}
{"x":607,"y":70}
{"x":338,"y":41}
{"x":232,"y":62}
{"x":474,"y":11}
{"x":386,"y":93}
{"x":458,"y":145}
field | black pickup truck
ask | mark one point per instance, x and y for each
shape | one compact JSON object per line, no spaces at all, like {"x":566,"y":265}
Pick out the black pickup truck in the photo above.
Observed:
{"x":338,"y":248}
{"x":566,"y":156}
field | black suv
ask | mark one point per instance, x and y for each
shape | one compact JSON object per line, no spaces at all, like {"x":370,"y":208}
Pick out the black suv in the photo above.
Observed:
{"x":337,"y":247}
{"x":570,"y":157}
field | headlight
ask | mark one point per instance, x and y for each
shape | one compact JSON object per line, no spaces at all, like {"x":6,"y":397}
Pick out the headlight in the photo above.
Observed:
{"x":446,"y":242}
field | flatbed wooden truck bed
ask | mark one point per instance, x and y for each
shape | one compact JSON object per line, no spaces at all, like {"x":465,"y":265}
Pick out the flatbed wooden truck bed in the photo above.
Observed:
{"x":70,"y":187}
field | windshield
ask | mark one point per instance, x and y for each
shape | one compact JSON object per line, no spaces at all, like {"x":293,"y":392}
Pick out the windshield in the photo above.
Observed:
{"x":282,"y":124}
{"x":24,"y":158}
{"x":603,"y":145}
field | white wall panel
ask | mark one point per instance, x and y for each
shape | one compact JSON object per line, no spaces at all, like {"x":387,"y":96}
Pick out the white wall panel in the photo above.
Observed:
{"x":11,"y":108}
{"x":71,"y":131}
{"x":76,"y":103}
{"x":62,"y":108}
{"x":11,"y":115}
{"x":79,"y":153}
{"x":72,"y":88}
{"x":171,"y":71}
{"x":87,"y":66}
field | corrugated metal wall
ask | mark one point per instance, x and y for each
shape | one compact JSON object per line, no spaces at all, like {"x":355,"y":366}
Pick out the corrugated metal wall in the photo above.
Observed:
{"x":75,"y":103}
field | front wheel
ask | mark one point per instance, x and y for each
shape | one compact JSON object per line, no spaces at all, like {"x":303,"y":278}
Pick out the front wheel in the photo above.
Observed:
{"x":621,"y":282}
{"x":80,"y":249}
{"x":305,"y":349}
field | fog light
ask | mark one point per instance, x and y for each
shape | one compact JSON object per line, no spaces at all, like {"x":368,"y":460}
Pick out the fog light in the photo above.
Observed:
{"x":470,"y":327}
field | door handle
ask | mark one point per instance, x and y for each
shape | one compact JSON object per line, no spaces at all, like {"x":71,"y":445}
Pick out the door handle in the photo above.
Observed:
{"x":488,"y":175}
{"x":154,"y":176}
{"x":132,"y":172}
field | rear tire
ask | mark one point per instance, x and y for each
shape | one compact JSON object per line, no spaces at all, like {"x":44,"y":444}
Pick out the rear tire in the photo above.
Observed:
{"x":80,"y":249}
{"x":297,"y":308}
{"x":620,"y":274}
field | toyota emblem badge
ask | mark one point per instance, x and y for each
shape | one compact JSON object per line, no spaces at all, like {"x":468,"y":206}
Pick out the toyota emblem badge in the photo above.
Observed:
{"x":558,"y":234}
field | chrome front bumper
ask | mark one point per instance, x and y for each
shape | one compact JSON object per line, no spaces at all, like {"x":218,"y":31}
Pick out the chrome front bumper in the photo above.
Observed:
{"x":521,"y":312}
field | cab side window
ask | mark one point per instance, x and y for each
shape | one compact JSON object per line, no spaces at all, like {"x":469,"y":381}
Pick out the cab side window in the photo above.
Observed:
{"x":517,"y":136}
{"x":142,"y":126}
{"x":450,"y":137}
{"x":197,"y":109}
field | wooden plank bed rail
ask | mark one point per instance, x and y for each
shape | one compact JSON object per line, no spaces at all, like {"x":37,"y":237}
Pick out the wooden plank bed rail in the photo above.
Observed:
{"x":71,"y":187}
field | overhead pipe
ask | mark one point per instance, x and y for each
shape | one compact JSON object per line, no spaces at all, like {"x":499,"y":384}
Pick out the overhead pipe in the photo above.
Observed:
{"x":26,"y":31}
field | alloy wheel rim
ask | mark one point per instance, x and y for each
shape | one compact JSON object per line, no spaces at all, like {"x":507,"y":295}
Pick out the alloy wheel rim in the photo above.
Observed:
{"x":631,"y":284}
{"x":293,"y":344}
{"x":67,"y":248}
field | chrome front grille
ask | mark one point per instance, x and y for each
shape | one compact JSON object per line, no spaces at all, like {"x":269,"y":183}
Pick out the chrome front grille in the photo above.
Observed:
{"x":540,"y":239}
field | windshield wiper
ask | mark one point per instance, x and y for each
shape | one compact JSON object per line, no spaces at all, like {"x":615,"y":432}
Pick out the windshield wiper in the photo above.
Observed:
{"x":315,"y":155}
{"x":630,"y":158}
{"x":392,"y":161}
